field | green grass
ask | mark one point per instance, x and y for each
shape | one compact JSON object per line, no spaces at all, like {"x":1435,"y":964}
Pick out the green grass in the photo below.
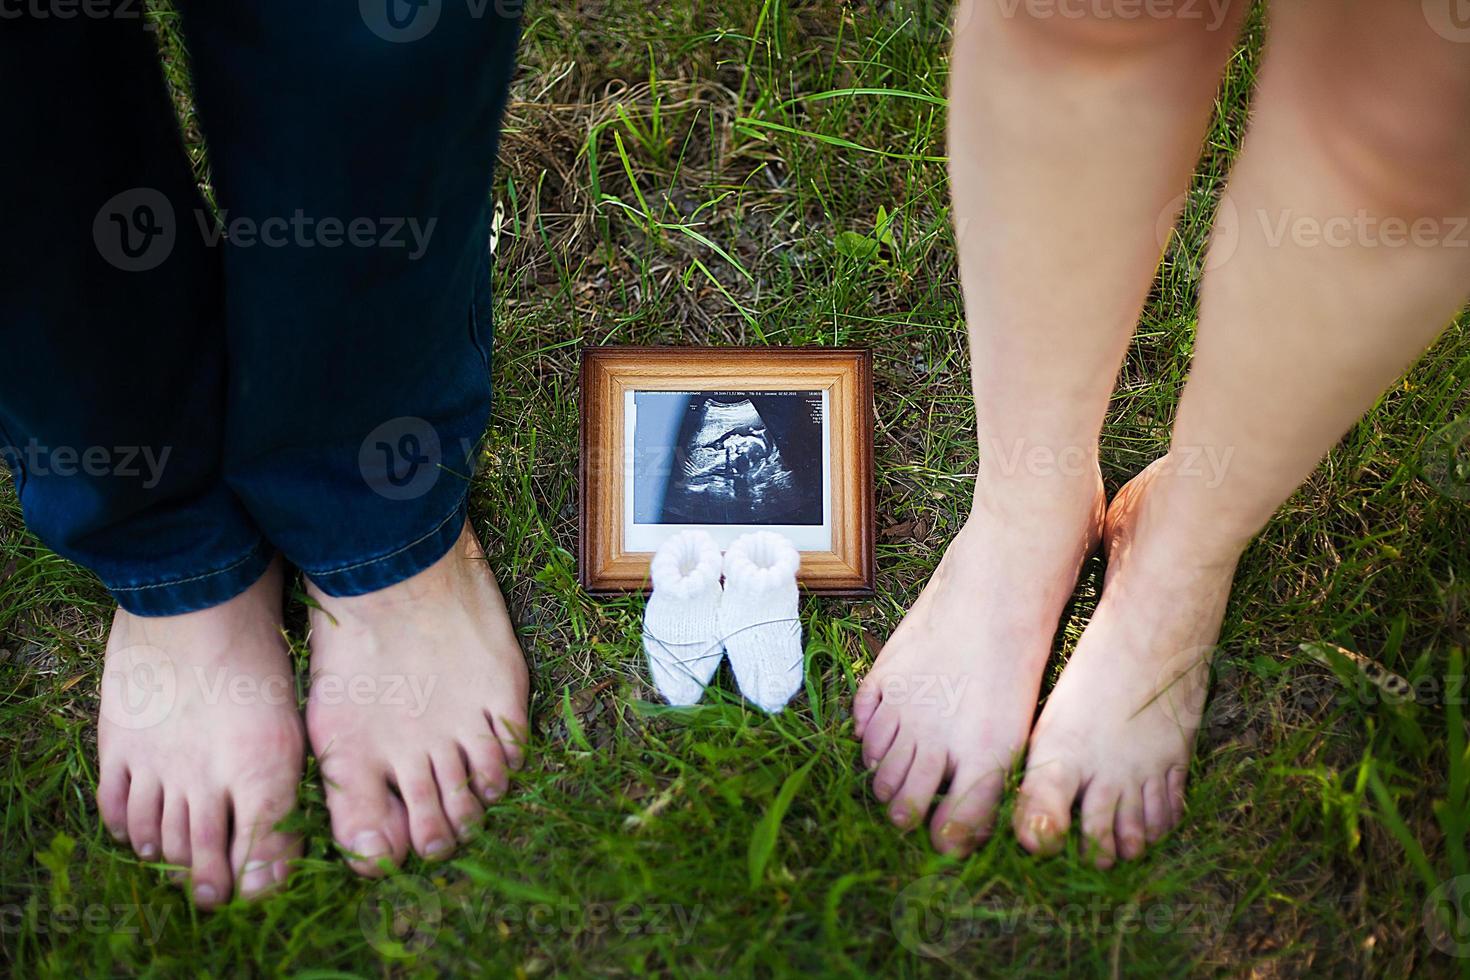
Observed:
{"x":692,"y":173}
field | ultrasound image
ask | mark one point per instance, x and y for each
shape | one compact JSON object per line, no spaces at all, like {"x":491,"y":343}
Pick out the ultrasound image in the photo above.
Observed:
{"x":728,"y":458}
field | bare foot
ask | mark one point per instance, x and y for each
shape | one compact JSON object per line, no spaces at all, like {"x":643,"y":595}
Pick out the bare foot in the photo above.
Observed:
{"x":953,"y":693}
{"x":417,"y":708}
{"x":200,"y":742}
{"x":1118,"y":729}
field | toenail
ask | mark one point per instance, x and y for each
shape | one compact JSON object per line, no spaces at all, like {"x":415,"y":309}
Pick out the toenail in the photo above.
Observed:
{"x":467,"y":829}
{"x":118,"y":835}
{"x":148,"y":851}
{"x":1041,"y":825}
{"x":882,"y":790}
{"x":436,"y":847}
{"x":369,"y":844}
{"x":205,"y":894}
{"x":953,"y":831}
{"x":256,"y":876}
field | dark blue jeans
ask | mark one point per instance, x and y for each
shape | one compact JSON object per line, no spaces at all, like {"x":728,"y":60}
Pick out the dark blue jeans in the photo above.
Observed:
{"x":303,"y":368}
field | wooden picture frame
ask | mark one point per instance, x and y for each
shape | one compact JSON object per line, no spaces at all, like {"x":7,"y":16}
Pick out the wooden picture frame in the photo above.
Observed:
{"x":823,"y":390}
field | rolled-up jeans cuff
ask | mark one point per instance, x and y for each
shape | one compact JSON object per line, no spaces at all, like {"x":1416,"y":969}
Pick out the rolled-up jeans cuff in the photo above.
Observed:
{"x":195,"y":592}
{"x":403,"y":562}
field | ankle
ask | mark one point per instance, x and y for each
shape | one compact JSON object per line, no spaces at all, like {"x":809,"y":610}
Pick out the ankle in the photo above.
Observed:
{"x":1033,"y":477}
{"x":1186,"y":506}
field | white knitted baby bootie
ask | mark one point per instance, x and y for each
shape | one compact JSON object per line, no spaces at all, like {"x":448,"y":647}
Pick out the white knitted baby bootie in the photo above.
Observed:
{"x":681,"y":621}
{"x":758,"y":619}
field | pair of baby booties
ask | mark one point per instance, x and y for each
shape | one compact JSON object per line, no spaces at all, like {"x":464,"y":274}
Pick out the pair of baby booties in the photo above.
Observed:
{"x":692,"y":621}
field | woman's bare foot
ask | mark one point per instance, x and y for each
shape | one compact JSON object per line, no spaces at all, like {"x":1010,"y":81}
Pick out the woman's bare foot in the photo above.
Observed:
{"x":200,"y":742}
{"x":953,"y":693}
{"x":417,"y":708}
{"x":1117,"y":731}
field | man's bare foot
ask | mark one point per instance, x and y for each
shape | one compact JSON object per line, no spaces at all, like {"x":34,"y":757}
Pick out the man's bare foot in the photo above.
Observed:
{"x":953,"y":693}
{"x":1117,"y":731}
{"x":200,"y":742}
{"x":417,"y":708}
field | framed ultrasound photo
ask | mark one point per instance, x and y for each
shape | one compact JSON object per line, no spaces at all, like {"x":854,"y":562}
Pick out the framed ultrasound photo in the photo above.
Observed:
{"x":727,"y":440}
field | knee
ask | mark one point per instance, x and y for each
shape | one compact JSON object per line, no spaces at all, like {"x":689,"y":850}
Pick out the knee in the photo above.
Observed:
{"x":1389,"y":119}
{"x":1404,"y":158}
{"x":1102,"y":33}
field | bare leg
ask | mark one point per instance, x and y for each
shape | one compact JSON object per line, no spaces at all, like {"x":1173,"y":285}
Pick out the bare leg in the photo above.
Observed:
{"x":1068,"y":139}
{"x":1359,"y":139}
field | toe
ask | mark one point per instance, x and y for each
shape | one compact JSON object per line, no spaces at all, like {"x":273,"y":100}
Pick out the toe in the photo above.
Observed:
{"x":865,"y":703}
{"x":893,"y":769}
{"x":112,"y":801}
{"x":261,"y":853}
{"x":145,"y":816}
{"x":966,"y":815}
{"x":175,"y":830}
{"x":1044,"y":805}
{"x":486,"y":764}
{"x":1099,"y":815}
{"x":1128,"y":828}
{"x":1175,"y":783}
{"x":428,"y":827}
{"x":209,"y":863}
{"x":369,"y":823}
{"x":1157,"y":817}
{"x":914,"y":798}
{"x":459,"y":801}
{"x":510,"y":727}
{"x":881,"y":730}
